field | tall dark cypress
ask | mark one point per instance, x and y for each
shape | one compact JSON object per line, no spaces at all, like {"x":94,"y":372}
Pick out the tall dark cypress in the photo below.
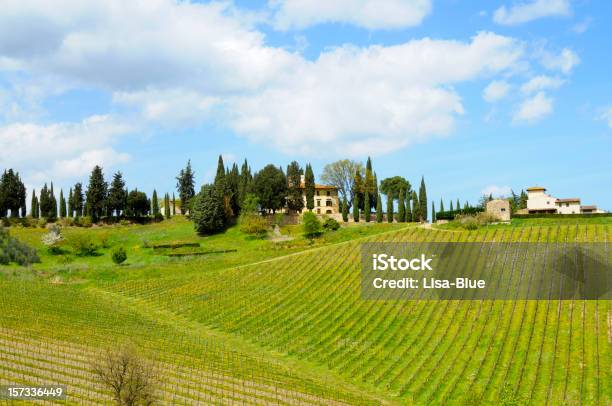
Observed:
{"x":366,"y":207}
{"x":433,"y":213}
{"x":167,"y":206}
{"x":355,"y":208}
{"x":53,"y":203}
{"x":423,"y":200}
{"x":186,"y":187}
{"x":220,"y":177}
{"x":441,"y":205}
{"x":409,"y":211}
{"x":173,"y":205}
{"x":62,"y":209}
{"x":401,"y":208}
{"x":345,"y":210}
{"x":117,"y":198}
{"x":390,"y":208}
{"x":155,"y":204}
{"x":78,"y":199}
{"x":416,"y":207}
{"x":379,"y":212}
{"x":70,"y":204}
{"x":309,"y":187}
{"x":34,"y":205}
{"x":97,"y":192}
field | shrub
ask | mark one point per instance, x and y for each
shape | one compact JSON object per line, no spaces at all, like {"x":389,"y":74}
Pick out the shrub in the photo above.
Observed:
{"x":82,"y":245}
{"x":208,"y":211}
{"x":104,"y":239}
{"x":254,"y":224}
{"x":119,"y":255}
{"x":83,"y":221}
{"x":53,"y":239}
{"x":41,"y":223}
{"x":13,"y":250}
{"x":330,"y":224}
{"x":66,"y":221}
{"x":311,"y":225}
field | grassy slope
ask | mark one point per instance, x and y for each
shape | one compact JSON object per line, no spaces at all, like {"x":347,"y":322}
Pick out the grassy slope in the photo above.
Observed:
{"x":303,"y":317}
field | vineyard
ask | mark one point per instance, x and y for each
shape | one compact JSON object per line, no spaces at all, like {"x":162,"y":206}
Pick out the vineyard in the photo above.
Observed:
{"x":293,"y":329}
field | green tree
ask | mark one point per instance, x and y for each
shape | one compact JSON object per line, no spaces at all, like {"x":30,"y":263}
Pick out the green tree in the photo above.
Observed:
{"x":155,"y":204}
{"x":295,"y":200}
{"x":416,"y":207}
{"x":309,"y":187}
{"x":401,"y":208}
{"x":451,"y":206}
{"x":441,"y":205}
{"x":208,"y":211}
{"x":392,"y":186}
{"x":62,"y":209}
{"x":46,"y":211}
{"x":311,"y":225}
{"x":53,"y":203}
{"x":270,"y":186}
{"x":220,"y":176}
{"x":116,"y":195}
{"x":433,"y":212}
{"x":137,"y":204}
{"x":173,"y":205}
{"x":366,"y":206}
{"x":379,"y":211}
{"x":70,"y":204}
{"x":369,"y":186}
{"x":341,"y":174}
{"x":359,"y":189}
{"x":409,"y":211}
{"x":186,"y":187}
{"x":356,"y":208}
{"x":77,"y":199}
{"x":458,"y":204}
{"x":389,"y":210}
{"x":422,"y":200}
{"x":34,"y":205}
{"x":232,"y":190}
{"x":246,"y":182}
{"x":523,"y":200}
{"x":345,"y":210}
{"x":167,"y":206}
{"x":97,"y":192}
{"x":12,"y":193}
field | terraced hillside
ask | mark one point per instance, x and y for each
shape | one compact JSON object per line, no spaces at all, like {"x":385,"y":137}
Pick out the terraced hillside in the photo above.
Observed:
{"x":294,"y":330}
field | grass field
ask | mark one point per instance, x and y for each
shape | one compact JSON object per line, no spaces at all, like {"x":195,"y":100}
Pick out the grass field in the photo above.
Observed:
{"x":285,"y":324}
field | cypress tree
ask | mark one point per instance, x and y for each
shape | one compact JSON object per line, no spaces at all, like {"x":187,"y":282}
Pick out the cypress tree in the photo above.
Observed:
{"x":401,"y":208}
{"x":155,"y":204}
{"x":295,"y":200}
{"x":458,"y":204}
{"x":70,"y":204}
{"x":409,"y":211}
{"x":44,"y":206}
{"x":53,"y":204}
{"x":62,"y":210}
{"x":117,"y":195}
{"x":246,"y":182}
{"x":441,"y":205}
{"x":345,"y":213}
{"x":379,"y":212}
{"x":220,"y":177}
{"x":366,"y":206}
{"x":355,"y":208}
{"x":389,"y":208}
{"x":359,"y":187}
{"x":173,"y":205}
{"x":309,"y":187}
{"x":416,"y":208}
{"x":433,"y":213}
{"x":34,"y":205}
{"x":422,"y":200}
{"x":451,"y":206}
{"x":186,"y":187}
{"x":167,"y":206}
{"x":97,"y":192}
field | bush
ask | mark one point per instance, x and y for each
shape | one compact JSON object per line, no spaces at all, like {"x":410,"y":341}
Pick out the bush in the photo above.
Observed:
{"x":83,"y":221}
{"x":208,"y":211}
{"x":119,"y":255}
{"x":311,"y":225}
{"x":472,"y":222}
{"x":13,"y":250}
{"x":331,"y":224}
{"x":41,"y":223}
{"x":254,"y":224}
{"x":450,"y":215}
{"x":53,"y":239}
{"x":82,"y":245}
{"x":66,"y":221}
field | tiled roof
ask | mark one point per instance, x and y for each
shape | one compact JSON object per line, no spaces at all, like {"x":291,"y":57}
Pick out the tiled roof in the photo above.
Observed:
{"x":569,"y":200}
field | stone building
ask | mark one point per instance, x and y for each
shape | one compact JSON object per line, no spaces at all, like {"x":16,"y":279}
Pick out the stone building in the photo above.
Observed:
{"x":500,"y":208}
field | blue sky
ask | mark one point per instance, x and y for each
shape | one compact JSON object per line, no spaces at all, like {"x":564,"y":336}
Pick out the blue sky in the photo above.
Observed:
{"x":477,"y":96}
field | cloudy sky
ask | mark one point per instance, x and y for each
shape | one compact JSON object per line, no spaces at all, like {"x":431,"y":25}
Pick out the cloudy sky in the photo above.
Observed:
{"x":478,"y":96}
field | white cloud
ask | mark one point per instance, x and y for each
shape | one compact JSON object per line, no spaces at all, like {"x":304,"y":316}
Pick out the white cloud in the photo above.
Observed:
{"x":534,"y":108}
{"x":541,"y":82}
{"x":528,"y":11}
{"x":61,"y":150}
{"x":565,"y":61}
{"x":582,"y":26}
{"x":606,"y":115}
{"x":175,"y":62}
{"x":370,"y":14}
{"x":497,"y":191}
{"x":495,"y":91}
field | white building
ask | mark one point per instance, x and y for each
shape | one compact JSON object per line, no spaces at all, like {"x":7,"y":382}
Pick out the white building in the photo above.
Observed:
{"x":538,"y":201}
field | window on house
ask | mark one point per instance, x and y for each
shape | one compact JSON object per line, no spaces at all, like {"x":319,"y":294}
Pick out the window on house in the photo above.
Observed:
{"x":317,"y":193}
{"x":329,"y":212}
{"x":503,"y":209}
{"x":318,"y":211}
{"x":318,"y":203}
{"x":328,"y":193}
{"x":328,"y":203}
{"x":548,"y":202}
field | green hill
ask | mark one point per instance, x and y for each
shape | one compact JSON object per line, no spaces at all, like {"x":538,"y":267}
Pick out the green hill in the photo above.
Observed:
{"x":291,"y":328}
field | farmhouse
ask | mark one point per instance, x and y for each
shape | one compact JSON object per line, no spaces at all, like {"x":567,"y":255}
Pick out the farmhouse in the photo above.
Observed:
{"x":325,"y":199}
{"x":500,"y":208}
{"x":538,"y":201}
